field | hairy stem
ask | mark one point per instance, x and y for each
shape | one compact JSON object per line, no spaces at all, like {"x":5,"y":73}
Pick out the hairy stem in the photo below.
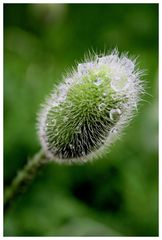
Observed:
{"x":23,"y":178}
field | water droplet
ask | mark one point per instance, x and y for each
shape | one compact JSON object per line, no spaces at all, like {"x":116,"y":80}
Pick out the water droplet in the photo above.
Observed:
{"x":128,"y":64}
{"x":115,"y":114}
{"x":113,"y":58}
{"x":102,"y":60}
{"x":98,"y":82}
{"x":90,"y":65}
{"x":101,"y":106}
{"x":68,"y":81}
{"x":108,"y":59}
{"x":119,"y":83}
{"x":83,"y":68}
{"x":114,"y":130}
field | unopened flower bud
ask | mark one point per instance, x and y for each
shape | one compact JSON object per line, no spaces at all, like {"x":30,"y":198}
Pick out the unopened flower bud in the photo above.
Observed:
{"x":88,"y":110}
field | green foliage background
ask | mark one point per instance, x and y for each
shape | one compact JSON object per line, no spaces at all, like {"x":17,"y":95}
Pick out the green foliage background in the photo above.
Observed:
{"x":116,"y":194}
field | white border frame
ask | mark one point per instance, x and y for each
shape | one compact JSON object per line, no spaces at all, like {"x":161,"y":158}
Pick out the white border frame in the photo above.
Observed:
{"x":1,"y":107}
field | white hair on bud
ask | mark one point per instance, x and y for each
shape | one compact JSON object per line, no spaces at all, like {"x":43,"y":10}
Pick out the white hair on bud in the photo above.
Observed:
{"x":86,"y":113}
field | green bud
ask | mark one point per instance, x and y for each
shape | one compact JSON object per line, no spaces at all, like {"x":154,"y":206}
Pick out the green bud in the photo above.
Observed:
{"x":86,"y":113}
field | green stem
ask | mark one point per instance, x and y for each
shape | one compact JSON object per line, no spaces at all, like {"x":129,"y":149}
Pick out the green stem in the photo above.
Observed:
{"x":23,"y":178}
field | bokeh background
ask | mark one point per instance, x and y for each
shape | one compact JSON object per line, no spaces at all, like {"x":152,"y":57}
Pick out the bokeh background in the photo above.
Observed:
{"x":116,"y":195}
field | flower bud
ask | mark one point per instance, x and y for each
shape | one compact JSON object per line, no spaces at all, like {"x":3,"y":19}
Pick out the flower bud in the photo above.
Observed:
{"x":88,"y":110}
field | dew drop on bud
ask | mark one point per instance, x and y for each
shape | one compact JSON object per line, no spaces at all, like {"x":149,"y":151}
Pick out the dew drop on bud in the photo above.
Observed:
{"x":115,"y":114}
{"x":119,"y":83}
{"x":101,"y":106}
{"x":102,"y":60}
{"x":113,"y":58}
{"x":82,"y":68}
{"x":98,"y":82}
{"x":128,"y":64}
{"x":69,"y":81}
{"x":114,"y":130}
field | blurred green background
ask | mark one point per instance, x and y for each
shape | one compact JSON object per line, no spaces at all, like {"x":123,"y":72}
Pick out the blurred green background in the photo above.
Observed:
{"x":116,"y":195}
